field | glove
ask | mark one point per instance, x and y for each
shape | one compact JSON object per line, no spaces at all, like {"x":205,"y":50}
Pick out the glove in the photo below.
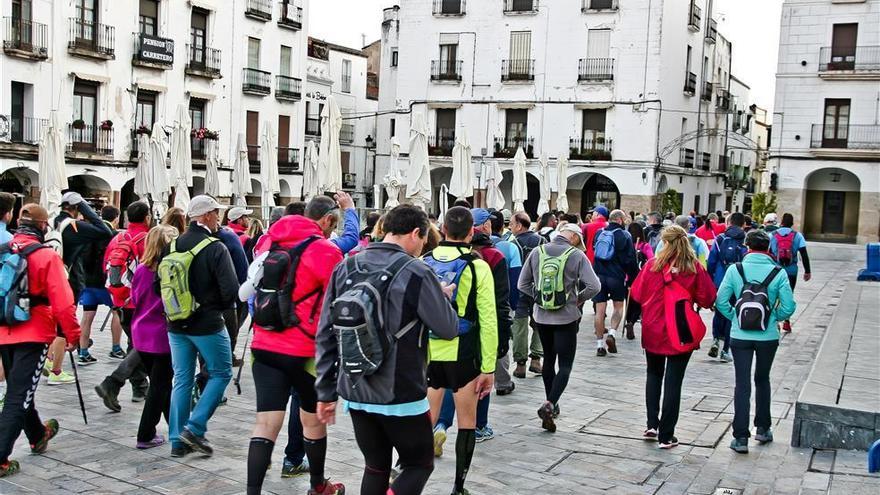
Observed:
{"x":72,"y":198}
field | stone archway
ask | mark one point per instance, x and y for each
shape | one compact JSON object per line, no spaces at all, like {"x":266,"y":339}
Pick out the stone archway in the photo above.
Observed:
{"x":533,"y":192}
{"x":831,"y":206}
{"x":23,"y":181}
{"x":439,"y":177}
{"x":94,"y":189}
{"x":592,"y":189}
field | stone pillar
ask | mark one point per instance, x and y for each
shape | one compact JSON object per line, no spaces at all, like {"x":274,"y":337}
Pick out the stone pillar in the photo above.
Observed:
{"x":869,"y":217}
{"x":637,"y":203}
{"x":791,"y":201}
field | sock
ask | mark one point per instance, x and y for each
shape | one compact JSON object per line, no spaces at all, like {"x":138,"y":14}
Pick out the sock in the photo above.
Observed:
{"x":611,"y":332}
{"x":600,"y":343}
{"x":259,"y":457}
{"x":83,"y":352}
{"x":464,"y":452}
{"x":117,"y":347}
{"x":56,"y":372}
{"x":316,"y":452}
{"x":440,"y":426}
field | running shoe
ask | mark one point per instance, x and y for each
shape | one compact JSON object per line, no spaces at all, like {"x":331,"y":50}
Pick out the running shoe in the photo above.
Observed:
{"x":155,"y":442}
{"x":668,"y":444}
{"x":726,"y":357}
{"x":713,"y":351}
{"x":484,"y":433}
{"x":611,"y":343}
{"x":463,"y":491}
{"x":291,"y":470}
{"x":601,"y":352}
{"x":545,"y":412}
{"x":47,"y":367}
{"x":86,"y":359}
{"x":62,"y":378}
{"x":197,"y":443}
{"x":786,"y":326}
{"x":439,"y":440}
{"x":740,"y":445}
{"x":117,"y":354}
{"x":51,"y":429}
{"x":650,"y":434}
{"x":764,"y":435}
{"x":181,"y":451}
{"x":9,"y":468}
{"x":555,"y":411}
{"x":328,"y":488}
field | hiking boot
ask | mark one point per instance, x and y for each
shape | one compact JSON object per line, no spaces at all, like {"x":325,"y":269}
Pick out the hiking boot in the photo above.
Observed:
{"x":139,"y":392}
{"x":668,"y":444}
{"x":484,"y":433}
{"x":62,"y":378}
{"x":155,"y":442}
{"x":786,"y":326}
{"x":108,"y":391}
{"x":439,"y":440}
{"x":601,"y":352}
{"x":328,"y":488}
{"x":713,"y":351}
{"x":726,"y":357}
{"x":506,"y":390}
{"x":291,"y":470}
{"x":611,"y":343}
{"x":630,"y":331}
{"x":535,"y":367}
{"x":86,"y":359}
{"x":181,"y":451}
{"x":740,"y":445}
{"x":545,"y":412}
{"x":764,"y":435}
{"x":117,"y":354}
{"x":650,"y":434}
{"x":51,"y":429}
{"x":520,"y":371}
{"x":9,"y":468}
{"x":197,"y":443}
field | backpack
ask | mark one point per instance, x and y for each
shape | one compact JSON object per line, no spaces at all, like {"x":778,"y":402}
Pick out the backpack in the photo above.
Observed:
{"x":450,"y":272}
{"x":54,"y":240}
{"x":357,"y":317}
{"x":653,"y":237}
{"x":122,"y":261}
{"x":15,"y":299}
{"x":274,"y":307}
{"x":684,"y":327}
{"x":603,"y":246}
{"x":551,"y":279}
{"x":173,"y":273}
{"x":784,"y":248}
{"x":729,"y":250}
{"x":753,"y":305}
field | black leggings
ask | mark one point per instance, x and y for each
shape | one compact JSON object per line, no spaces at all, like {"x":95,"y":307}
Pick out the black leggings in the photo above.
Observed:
{"x":558,"y":341}
{"x":22,"y":364}
{"x":633,"y":312}
{"x":410,"y":436}
{"x":159,"y":396}
{"x":672,"y":368}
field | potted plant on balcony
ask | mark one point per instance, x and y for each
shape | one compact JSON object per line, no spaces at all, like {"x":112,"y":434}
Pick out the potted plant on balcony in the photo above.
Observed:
{"x":78,"y":124}
{"x":106,"y":125}
{"x":142,"y":130}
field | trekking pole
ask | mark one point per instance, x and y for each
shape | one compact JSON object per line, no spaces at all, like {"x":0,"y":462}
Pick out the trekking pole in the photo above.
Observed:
{"x":106,"y":319}
{"x":82,"y":405}
{"x":237,"y":380}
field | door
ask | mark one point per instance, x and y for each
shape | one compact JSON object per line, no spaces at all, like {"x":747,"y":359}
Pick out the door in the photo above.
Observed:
{"x":145,"y":112}
{"x":697,"y":202}
{"x":516,"y":130}
{"x":445,"y":129}
{"x":21,"y":34}
{"x":594,"y":130}
{"x":17,"y":111}
{"x":598,"y":48}
{"x":252,"y":136}
{"x":832,"y":212}
{"x":284,"y":153}
{"x":85,"y":108}
{"x":843,"y":46}
{"x":520,"y":54}
{"x":448,"y":57}
{"x":197,"y":117}
{"x":197,"y":34}
{"x":253,"y":53}
{"x":86,"y":17}
{"x":284,"y":63}
{"x":835,"y":130}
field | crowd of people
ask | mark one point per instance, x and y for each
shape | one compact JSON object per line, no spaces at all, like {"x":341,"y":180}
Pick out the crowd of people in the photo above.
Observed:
{"x":410,"y":322}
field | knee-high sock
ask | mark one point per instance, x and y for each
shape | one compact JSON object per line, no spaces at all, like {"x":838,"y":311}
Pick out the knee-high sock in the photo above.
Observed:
{"x":316,"y":452}
{"x":464,"y":452}
{"x":259,"y":457}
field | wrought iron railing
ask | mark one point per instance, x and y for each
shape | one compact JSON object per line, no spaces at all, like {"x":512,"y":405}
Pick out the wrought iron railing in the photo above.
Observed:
{"x":442,"y":144}
{"x":596,"y":69}
{"x":506,"y":147}
{"x":686,"y":158}
{"x":313,"y":126}
{"x":291,"y":16}
{"x":349,"y":181}
{"x":853,"y":137}
{"x":253,"y":154}
{"x":202,"y":59}
{"x":288,"y":88}
{"x":706,"y":94}
{"x":860,"y":58}
{"x":288,"y":160}
{"x":712,"y":31}
{"x":706,"y":162}
{"x":518,"y":70}
{"x":590,"y":147}
{"x":346,"y":133}
{"x":21,"y":130}
{"x":99,"y":39}
{"x":722,"y":99}
{"x":259,"y":9}
{"x":90,"y":139}
{"x":255,"y":81}
{"x":695,"y":14}
{"x":690,"y":83}
{"x":25,"y":36}
{"x":446,"y":70}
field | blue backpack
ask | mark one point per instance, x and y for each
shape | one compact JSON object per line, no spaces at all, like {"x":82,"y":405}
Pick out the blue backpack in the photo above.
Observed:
{"x":603,"y":247}
{"x":15,"y":299}
{"x":450,"y":272}
{"x":730,"y":250}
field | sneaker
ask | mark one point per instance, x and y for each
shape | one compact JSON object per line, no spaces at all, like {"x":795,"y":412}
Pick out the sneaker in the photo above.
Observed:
{"x":47,"y":367}
{"x":668,"y":444}
{"x":726,"y":357}
{"x":62,"y":378}
{"x":117,"y":354}
{"x":764,"y":435}
{"x":439,"y":440}
{"x":506,"y":390}
{"x":555,"y":411}
{"x":181,"y":451}
{"x":50,"y":432}
{"x":395,"y":473}
{"x":786,"y":326}
{"x":611,"y":343}
{"x":291,"y":470}
{"x":713,"y":351}
{"x":9,"y":468}
{"x":740,"y":445}
{"x":484,"y":433}
{"x":601,"y":352}
{"x":650,"y":434}
{"x":197,"y":443}
{"x":630,"y":331}
{"x":108,"y":391}
{"x":155,"y":442}
{"x":545,"y":412}
{"x":86,"y":359}
{"x":328,"y":488}
{"x":520,"y":371}
{"x":535,"y":367}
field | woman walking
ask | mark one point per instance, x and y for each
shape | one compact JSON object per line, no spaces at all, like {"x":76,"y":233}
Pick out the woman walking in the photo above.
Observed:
{"x":149,"y":333}
{"x":675,"y":269}
{"x":644,"y":253}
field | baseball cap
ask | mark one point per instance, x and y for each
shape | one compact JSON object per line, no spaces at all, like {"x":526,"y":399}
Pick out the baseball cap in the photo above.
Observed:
{"x":237,"y":212}
{"x":481,"y":216}
{"x":71,"y":198}
{"x":507,"y":214}
{"x":771,"y":218}
{"x":572,"y":227}
{"x":202,"y":204}
{"x":601,"y":210}
{"x":34,"y":213}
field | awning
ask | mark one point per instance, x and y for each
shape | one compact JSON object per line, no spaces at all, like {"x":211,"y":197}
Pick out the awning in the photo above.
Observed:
{"x":90,"y":77}
{"x":158,"y":88}
{"x":200,"y":95}
{"x":203,"y":4}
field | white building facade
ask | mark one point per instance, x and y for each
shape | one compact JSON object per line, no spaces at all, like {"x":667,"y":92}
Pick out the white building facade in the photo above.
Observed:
{"x":825,"y":149}
{"x":635,"y":93}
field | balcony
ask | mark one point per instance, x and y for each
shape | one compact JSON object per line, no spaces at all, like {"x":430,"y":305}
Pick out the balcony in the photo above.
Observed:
{"x":711,"y":31}
{"x":446,"y":70}
{"x":706,"y":94}
{"x":863,"y":62}
{"x":21,"y":130}
{"x":153,"y":52}
{"x":506,"y":147}
{"x":291,"y":16}
{"x":695,"y":14}
{"x":596,"y":69}
{"x":598,"y":5}
{"x":91,"y":40}
{"x":253,"y":153}
{"x":25,"y":39}
{"x":444,"y":8}
{"x":690,"y":83}
{"x":856,"y":141}
{"x":591,"y":147}
{"x":198,"y":147}
{"x":92,"y":139}
{"x":288,"y":88}
{"x":520,"y":6}
{"x":706,"y":162}
{"x":346,"y":134}
{"x":686,"y":158}
{"x":256,"y":82}
{"x":517,"y":70}
{"x":722,"y":99}
{"x":313,"y":126}
{"x":258,"y":10}
{"x":202,"y":61}
{"x":288,"y":160}
{"x":442,"y":145}
{"x":349,"y":181}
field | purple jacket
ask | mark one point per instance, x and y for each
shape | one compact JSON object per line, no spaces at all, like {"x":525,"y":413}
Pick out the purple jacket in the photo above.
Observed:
{"x":149,"y":330}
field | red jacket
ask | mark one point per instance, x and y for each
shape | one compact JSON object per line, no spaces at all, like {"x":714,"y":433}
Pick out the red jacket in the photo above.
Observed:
{"x":47,"y":279}
{"x":240,"y":231}
{"x":134,"y":230}
{"x":313,"y":275}
{"x":589,"y":230}
{"x":708,"y":234}
{"x":648,"y":291}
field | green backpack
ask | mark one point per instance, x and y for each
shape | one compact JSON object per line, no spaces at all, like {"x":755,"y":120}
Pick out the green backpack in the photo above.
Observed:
{"x":551,"y":282}
{"x":173,"y":274}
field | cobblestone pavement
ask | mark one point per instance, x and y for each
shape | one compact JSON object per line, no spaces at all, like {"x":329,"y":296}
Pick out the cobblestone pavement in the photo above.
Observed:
{"x":596,"y":449}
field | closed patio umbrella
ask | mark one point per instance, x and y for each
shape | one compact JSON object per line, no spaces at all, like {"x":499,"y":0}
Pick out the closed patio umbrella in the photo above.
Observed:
{"x":562,"y":184}
{"x":494,"y":196}
{"x":269,"y":169}
{"x":418,"y":176}
{"x":181,"y":158}
{"x":241,"y":173}
{"x":212,"y":165}
{"x":520,"y":191}
{"x":329,"y":160}
{"x":544,"y":200}
{"x":158,"y":169}
{"x":53,"y":176}
{"x":310,"y":172}
{"x":392,"y":180}
{"x":461,"y":185}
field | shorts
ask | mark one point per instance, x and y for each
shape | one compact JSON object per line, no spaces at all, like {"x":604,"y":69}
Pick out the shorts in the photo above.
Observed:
{"x":612,"y":289}
{"x":275,"y":374}
{"x":92,"y":297}
{"x":452,"y":375}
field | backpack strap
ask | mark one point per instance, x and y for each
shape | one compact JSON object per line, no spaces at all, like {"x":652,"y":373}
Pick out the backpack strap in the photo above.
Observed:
{"x":30,"y":248}
{"x":742,"y":273}
{"x":771,"y":276}
{"x":201,"y":245}
{"x":471,"y":304}
{"x":295,"y":254}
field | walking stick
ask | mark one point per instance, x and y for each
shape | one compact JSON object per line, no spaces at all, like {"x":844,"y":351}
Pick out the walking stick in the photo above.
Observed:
{"x":237,"y":380}
{"x":106,"y":319}
{"x":82,"y":404}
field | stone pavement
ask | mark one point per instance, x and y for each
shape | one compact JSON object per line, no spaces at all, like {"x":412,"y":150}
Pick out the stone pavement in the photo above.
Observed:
{"x":596,"y":449}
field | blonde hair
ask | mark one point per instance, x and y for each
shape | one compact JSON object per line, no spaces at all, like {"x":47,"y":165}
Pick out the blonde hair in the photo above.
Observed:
{"x":176,"y":218}
{"x":158,"y":239}
{"x":379,"y":229}
{"x":432,"y":239}
{"x":677,"y":251}
{"x":256,"y":228}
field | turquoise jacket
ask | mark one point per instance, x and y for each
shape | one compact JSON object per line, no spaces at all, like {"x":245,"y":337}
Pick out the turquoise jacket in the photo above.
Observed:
{"x":757,"y":267}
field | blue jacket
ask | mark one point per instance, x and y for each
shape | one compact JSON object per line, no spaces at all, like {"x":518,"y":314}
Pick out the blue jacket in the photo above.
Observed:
{"x":236,"y":251}
{"x":624,"y":264}
{"x":5,"y":235}
{"x":757,"y":266}
{"x":350,"y":232}
{"x":716,"y":266}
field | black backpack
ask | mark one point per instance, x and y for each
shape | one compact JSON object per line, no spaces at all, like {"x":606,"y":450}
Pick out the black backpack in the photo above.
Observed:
{"x":753,"y":305}
{"x":274,"y":308}
{"x":357,"y":315}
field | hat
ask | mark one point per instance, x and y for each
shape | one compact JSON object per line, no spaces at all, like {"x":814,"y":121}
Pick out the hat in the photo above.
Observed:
{"x":573,"y":227}
{"x":203,"y":204}
{"x":601,"y":210}
{"x":71,"y":198}
{"x":771,"y":218}
{"x":237,"y":212}
{"x":34,"y":213}
{"x":507,"y":214}
{"x":481,"y":216}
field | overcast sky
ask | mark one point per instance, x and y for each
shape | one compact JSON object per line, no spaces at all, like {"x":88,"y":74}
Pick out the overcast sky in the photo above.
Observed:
{"x":752,"y":26}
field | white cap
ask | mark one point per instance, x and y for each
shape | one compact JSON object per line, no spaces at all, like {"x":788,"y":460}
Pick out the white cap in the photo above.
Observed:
{"x":573,"y":227}
{"x":237,"y":212}
{"x":771,"y":218}
{"x":71,"y":198}
{"x":203,"y":204}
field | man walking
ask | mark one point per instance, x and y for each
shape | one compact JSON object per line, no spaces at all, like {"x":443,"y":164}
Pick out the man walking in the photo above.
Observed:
{"x":787,"y":245}
{"x":616,"y":267}
{"x":523,"y":347}
{"x":652,"y":230}
{"x":728,"y":249}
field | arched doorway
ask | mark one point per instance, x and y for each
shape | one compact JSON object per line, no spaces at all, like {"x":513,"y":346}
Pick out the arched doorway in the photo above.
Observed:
{"x":831,"y":205}
{"x":93,"y":189}
{"x":593,"y":189}
{"x":127,"y":195}
{"x":439,"y":177}
{"x":198,"y":186}
{"x":21,"y":181}
{"x":533,"y":192}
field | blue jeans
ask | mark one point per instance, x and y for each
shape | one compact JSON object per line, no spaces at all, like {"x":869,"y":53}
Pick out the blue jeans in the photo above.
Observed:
{"x":721,"y":329}
{"x":295,"y":451}
{"x":215,"y":350}
{"x":447,"y":411}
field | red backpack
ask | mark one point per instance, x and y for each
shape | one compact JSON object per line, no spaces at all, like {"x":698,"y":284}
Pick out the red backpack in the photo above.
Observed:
{"x":684,"y":327}
{"x":122,"y":261}
{"x":784,"y":247}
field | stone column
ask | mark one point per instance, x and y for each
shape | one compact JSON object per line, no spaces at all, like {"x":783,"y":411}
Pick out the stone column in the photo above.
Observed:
{"x":637,"y":203}
{"x":791,"y":201}
{"x":869,"y":217}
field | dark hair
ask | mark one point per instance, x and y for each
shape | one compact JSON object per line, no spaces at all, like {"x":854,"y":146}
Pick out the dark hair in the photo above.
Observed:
{"x":318,"y":207}
{"x":497,"y":219}
{"x":737,"y":219}
{"x":458,"y":222}
{"x":138,"y":212}
{"x":372,"y":218}
{"x":462,"y":202}
{"x":276,"y":214}
{"x":701,"y":219}
{"x":545,"y":219}
{"x":655,"y":217}
{"x":570,"y":218}
{"x":7,"y":203}
{"x":109,"y":213}
{"x":748,"y":222}
{"x":403,"y":219}
{"x":523,"y":218}
{"x":637,"y":232}
{"x":757,"y":240}
{"x":787,"y":220}
{"x":432,"y":216}
{"x":295,"y":208}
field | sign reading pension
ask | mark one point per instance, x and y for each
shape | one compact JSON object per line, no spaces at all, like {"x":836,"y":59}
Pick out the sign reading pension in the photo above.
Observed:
{"x":155,"y":50}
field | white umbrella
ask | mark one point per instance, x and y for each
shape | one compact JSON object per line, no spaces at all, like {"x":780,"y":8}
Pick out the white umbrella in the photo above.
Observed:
{"x":142,"y":178}
{"x":544,"y":201}
{"x":444,"y":201}
{"x":494,"y":196}
{"x":212,"y":174}
{"x":418,"y":177}
{"x":241,"y":173}
{"x":520,"y":191}
{"x":53,"y":176}
{"x":329,"y":161}
{"x":561,"y":184}
{"x":392,"y":179}
{"x":269,"y":169}
{"x":310,"y":172}
{"x":461,"y":185}
{"x":181,"y":158}
{"x":161,"y":186}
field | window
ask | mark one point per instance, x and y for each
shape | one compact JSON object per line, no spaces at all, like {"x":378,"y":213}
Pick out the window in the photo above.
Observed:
{"x":253,"y":53}
{"x":346,"y":76}
{"x":199,"y":120}
{"x":197,"y":35}
{"x":598,"y":43}
{"x":252,"y":136}
{"x":843,"y":46}
{"x":345,"y":159}
{"x":836,"y":126}
{"x":21,"y":11}
{"x":520,"y":45}
{"x":394,"y":58}
{"x":697,"y":202}
{"x":448,"y":56}
{"x":515,"y":132}
{"x":393,"y":127}
{"x":86,"y":16}
{"x":17,"y":111}
{"x":445,"y":130}
{"x":593,"y":129}
{"x":145,"y":112}
{"x":85,"y":108}
{"x":148,"y":17}
{"x":286,"y":56}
